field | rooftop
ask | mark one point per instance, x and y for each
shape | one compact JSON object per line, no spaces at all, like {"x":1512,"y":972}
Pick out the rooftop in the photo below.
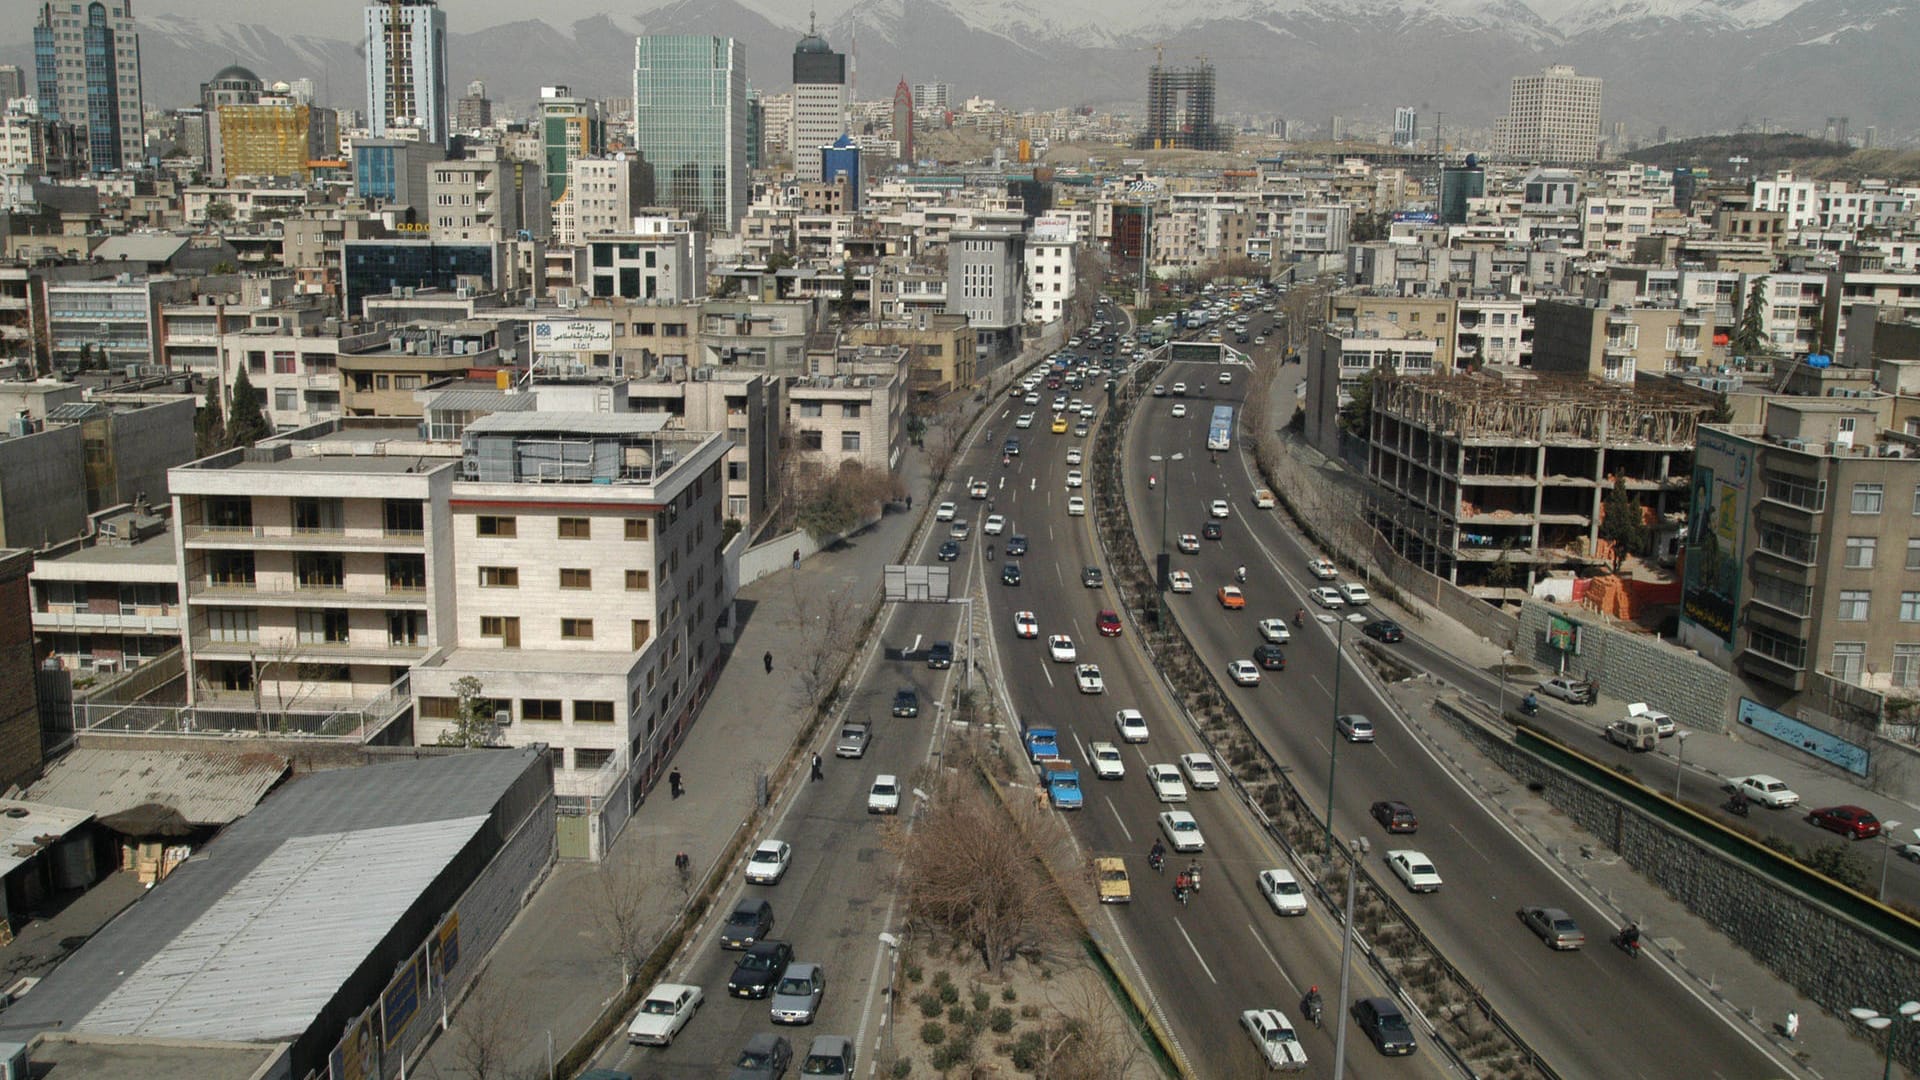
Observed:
{"x":27,"y":827}
{"x":75,"y":1057}
{"x":137,"y":785}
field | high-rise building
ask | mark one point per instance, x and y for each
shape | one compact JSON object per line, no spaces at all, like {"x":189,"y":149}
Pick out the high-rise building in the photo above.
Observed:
{"x":1406,"y":126}
{"x":407,"y":68}
{"x":474,"y":111}
{"x":233,"y":85}
{"x":819,"y":102}
{"x":265,"y":140}
{"x":571,"y":128}
{"x":86,"y":62}
{"x":690,"y":122}
{"x":756,"y":128}
{"x":903,"y":120}
{"x":1457,"y":186}
{"x":1180,"y":110}
{"x":13,"y":83}
{"x":1552,"y":116}
{"x":933,"y":96}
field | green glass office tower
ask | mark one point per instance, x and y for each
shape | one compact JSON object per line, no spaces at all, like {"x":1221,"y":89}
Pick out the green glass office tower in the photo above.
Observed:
{"x":690,"y":123}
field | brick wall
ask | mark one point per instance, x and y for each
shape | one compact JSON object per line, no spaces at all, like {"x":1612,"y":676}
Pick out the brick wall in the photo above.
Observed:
{"x":19,"y":701}
{"x":1635,"y":667}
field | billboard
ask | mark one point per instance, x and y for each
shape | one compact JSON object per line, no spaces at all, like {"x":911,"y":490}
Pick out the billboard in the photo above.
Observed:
{"x":1722,"y":471}
{"x":572,"y":335}
{"x":1415,"y":217}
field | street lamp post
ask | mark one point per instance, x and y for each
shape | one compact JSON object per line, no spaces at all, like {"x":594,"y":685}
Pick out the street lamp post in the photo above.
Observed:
{"x":1158,"y":585}
{"x":1333,"y":755}
{"x":1886,"y":849}
{"x":1908,"y":1010}
{"x":1504,"y":653}
{"x":1360,"y":846}
{"x":1680,"y":760}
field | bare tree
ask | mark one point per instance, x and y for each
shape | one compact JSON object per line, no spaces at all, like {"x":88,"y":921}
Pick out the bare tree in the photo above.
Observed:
{"x":946,"y":423}
{"x":620,"y":913}
{"x":294,"y":680}
{"x":485,"y":1031}
{"x":1092,"y":1039}
{"x":828,"y":624}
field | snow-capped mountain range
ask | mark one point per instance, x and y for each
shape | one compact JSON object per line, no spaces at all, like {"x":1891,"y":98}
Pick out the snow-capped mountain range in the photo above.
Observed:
{"x":1690,"y":64}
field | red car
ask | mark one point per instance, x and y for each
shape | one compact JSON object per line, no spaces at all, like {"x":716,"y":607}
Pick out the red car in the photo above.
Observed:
{"x":1109,"y":623}
{"x":1854,"y":821}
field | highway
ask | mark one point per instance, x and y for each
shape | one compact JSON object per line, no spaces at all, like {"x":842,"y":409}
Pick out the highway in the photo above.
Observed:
{"x":1567,"y":1005}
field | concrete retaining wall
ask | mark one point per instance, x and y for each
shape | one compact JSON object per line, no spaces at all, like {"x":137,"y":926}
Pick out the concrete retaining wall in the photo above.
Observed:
{"x":1635,"y":667}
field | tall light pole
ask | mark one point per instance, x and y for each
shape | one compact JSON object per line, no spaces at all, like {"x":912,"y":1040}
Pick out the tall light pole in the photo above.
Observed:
{"x":1886,"y":848}
{"x":1680,"y":760}
{"x":1908,"y":1010}
{"x":1333,"y":756}
{"x":1159,"y":586}
{"x":1504,"y":653}
{"x":1360,"y":846}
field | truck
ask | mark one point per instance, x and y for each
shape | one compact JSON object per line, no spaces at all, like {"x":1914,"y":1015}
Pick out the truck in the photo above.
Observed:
{"x":1063,"y":783}
{"x":1042,"y":742}
{"x":1633,"y":732}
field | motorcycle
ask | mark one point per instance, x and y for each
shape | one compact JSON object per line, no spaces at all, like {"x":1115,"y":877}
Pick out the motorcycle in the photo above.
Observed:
{"x":1310,"y":1008}
{"x":1193,"y":877}
{"x":1157,"y":861}
{"x":1530,"y":706}
{"x":1626,"y":944}
{"x":1240,"y":575}
{"x":1299,"y":617}
{"x":1738,"y":806}
{"x":1006,"y":460}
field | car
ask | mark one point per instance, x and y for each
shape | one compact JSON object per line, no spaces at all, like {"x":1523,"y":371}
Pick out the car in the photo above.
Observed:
{"x":1131,"y":724}
{"x":1385,"y":630}
{"x":946,"y":512}
{"x":1219,"y":508}
{"x":1076,"y":506}
{"x":1110,"y":877}
{"x":1323,"y":569}
{"x":1074,"y":478}
{"x":1108,"y":762}
{"x":1231,"y":597}
{"x":1663,"y":725}
{"x":1060,"y":425}
{"x":1087,"y":678}
{"x":1414,"y":870}
{"x":1270,"y":657}
{"x":1025,"y":625}
{"x":1060,"y":649}
{"x":1226,"y":377}
{"x":940,"y":655}
{"x":1091,"y":577}
{"x":1107,"y":622}
{"x":1179,"y":410}
{"x":1274,"y":1037}
{"x":1553,"y":926}
{"x":663,"y":1012}
{"x":1325,"y":597}
{"x":995,"y":524}
{"x":1355,"y":727}
{"x":1010,"y":573}
{"x":765,"y":1057}
{"x":1167,"y":786}
{"x":1200,"y":771}
{"x":768,"y":863}
{"x":977,"y":489}
{"x":948,"y":552}
{"x":853,"y":740}
{"x":1026,"y":418}
{"x":1354,"y":593}
{"x":1384,"y":1025}
{"x":1275,"y":631}
{"x":1394,"y":816}
{"x":796,"y":997}
{"x":760,"y":969}
{"x":1211,"y":531}
{"x":1060,"y":403}
{"x":750,"y":920}
{"x":1283,"y":892}
{"x":1016,"y":545}
{"x":1011,"y":448}
{"x":1159,"y":390}
{"x":1189,"y":544}
{"x":1075,"y":457}
{"x":1180,"y":581}
{"x":1032,"y":398}
{"x":1768,"y":791}
{"x":1852,"y":821}
{"x":906,"y":702}
{"x":1179,"y":389}
{"x":960,"y":530}
{"x":830,"y":1055}
{"x":1243,"y":672}
{"x":1182,"y":831}
{"x":884,"y":796}
{"x":1568,"y":689}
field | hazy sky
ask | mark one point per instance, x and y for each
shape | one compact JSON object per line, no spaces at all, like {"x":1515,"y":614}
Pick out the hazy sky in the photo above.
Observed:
{"x":341,"y":18}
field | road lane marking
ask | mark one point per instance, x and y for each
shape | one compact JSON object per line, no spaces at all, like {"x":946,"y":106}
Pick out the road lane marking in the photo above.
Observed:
{"x":1047,"y":670}
{"x":915,"y":647}
{"x":1469,"y":842}
{"x":1262,"y":942}
{"x":1321,"y":685}
{"x":1196,"y":951}
{"x":1117,"y":819}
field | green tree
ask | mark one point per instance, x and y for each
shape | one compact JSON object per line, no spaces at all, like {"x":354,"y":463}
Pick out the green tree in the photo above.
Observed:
{"x":846,"y":301}
{"x":1750,"y":337}
{"x":1721,"y":413}
{"x":1839,"y":862}
{"x":473,"y":725}
{"x":1623,"y":523}
{"x":219,"y":211}
{"x":246,"y":422}
{"x":1356,"y":414}
{"x":209,"y":427}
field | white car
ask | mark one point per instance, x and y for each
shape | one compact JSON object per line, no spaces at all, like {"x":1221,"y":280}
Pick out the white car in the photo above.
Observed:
{"x":1323,"y":569}
{"x":1226,"y":377}
{"x":1166,"y":783}
{"x":1025,"y":421}
{"x":1025,"y":625}
{"x":884,"y":796}
{"x":1219,"y":508}
{"x":1087,"y":677}
{"x":1180,"y":581}
{"x":1275,"y":630}
{"x":1244,"y":672}
{"x":1074,"y":456}
{"x":977,"y":489}
{"x":1030,"y":399}
{"x":1179,"y":409}
{"x":1415,"y":870}
{"x":1179,"y":389}
{"x":1076,"y":506}
{"x":1182,"y":832}
{"x":1074,"y":479}
{"x":1283,"y":892}
{"x":946,"y":512}
{"x":1355,"y":593}
{"x":1200,"y":771}
{"x":1274,"y":1036}
{"x":1132,"y":725}
{"x":1060,"y":648}
{"x":1768,"y":791}
{"x":1108,"y":764}
{"x":663,"y":1012}
{"x":768,"y":863}
{"x":995,"y":524}
{"x":1325,"y":597}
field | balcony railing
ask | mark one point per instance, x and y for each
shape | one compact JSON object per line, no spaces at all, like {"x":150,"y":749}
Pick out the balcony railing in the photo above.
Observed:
{"x":1792,"y":546}
{"x":1801,"y":494}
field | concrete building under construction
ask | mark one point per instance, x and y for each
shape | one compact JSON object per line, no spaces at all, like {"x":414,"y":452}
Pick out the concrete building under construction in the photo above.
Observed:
{"x":1180,"y":110}
{"x":1491,"y":480}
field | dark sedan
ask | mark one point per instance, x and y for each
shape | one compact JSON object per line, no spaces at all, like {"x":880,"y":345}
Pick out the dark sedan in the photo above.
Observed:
{"x":949,"y":551}
{"x":1016,"y":545}
{"x":1382,"y":1022}
{"x":906,"y":703}
{"x":1270,"y":657}
{"x":1383,"y":630}
{"x":1211,"y":530}
{"x":760,"y":969}
{"x":1395,"y":816}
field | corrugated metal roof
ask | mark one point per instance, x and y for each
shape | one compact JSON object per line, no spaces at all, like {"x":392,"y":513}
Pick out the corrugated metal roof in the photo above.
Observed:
{"x":26,"y":827}
{"x":75,"y":411}
{"x":139,"y":248}
{"x":206,"y":789}
{"x":478,"y":400}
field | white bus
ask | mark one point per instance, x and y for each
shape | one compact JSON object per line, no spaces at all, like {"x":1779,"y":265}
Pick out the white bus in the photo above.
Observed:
{"x":1220,"y":428}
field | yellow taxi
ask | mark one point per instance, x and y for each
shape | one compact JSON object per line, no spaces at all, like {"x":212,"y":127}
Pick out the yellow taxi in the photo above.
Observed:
{"x":1059,"y":425}
{"x":1110,"y":873}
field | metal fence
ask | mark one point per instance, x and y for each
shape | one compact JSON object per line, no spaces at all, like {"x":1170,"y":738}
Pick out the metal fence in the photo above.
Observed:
{"x":357,"y":722}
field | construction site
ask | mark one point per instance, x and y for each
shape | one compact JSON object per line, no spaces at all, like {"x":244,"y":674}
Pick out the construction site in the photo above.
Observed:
{"x":1180,"y":109}
{"x":1494,"y":481}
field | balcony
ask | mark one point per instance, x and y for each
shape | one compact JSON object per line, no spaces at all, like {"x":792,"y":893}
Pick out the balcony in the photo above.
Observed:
{"x":1805,"y":496}
{"x":1795,"y":547}
{"x":63,"y":619}
{"x":305,"y":652}
{"x":1787,"y":669}
{"x":251,"y":594}
{"x":284,"y":537}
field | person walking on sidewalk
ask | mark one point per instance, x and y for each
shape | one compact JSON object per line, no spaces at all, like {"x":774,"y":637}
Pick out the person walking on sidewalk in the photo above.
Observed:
{"x":673,"y":783}
{"x":768,"y":660}
{"x":816,"y":767}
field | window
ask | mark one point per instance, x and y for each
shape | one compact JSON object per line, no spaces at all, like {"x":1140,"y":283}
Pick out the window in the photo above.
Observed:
{"x":637,"y":529}
{"x":808,"y":409}
{"x":319,"y":571}
{"x":499,"y":577}
{"x":233,"y":624}
{"x":327,"y":626}
{"x":1867,"y":498}
{"x":1849,"y":658}
{"x":642,"y":630}
{"x":850,"y":410}
{"x":317,"y":516}
{"x":638,"y":581}
{"x":593,"y":712}
{"x":1860,"y":552}
{"x":850,"y":441}
{"x":576,"y":629}
{"x":503,"y":527}
{"x":575,"y":578}
{"x":1916,"y":500}
{"x":504,"y":627}
{"x":286,"y":400}
{"x":1906,"y":666}
{"x":1910,"y":607}
{"x":810,"y":440}
{"x":587,"y":758}
{"x":439,"y":708}
{"x":1913,"y":554}
{"x":1853,"y":605}
{"x":540,"y":709}
{"x":576,"y":528}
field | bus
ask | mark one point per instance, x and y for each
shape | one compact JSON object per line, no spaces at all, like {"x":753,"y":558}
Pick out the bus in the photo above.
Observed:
{"x":1220,"y":428}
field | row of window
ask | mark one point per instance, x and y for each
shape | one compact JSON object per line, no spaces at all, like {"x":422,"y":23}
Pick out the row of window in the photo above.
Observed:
{"x":544,"y":710}
{"x":1871,"y":498}
{"x":567,"y":528}
{"x":1862,"y":549}
{"x":506,"y":629}
{"x":1854,"y":605}
{"x":508,"y":577}
{"x":1850,"y":660}
{"x":808,"y":410}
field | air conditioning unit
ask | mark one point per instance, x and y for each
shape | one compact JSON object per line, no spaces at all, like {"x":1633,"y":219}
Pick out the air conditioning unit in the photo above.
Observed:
{"x":1794,"y":444}
{"x":1892,"y":451}
{"x":501,"y":718}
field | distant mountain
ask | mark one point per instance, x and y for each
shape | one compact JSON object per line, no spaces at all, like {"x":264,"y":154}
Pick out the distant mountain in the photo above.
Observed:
{"x":1692,"y":64}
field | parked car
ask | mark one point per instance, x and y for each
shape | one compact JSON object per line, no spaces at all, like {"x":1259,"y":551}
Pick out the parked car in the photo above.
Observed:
{"x":1394,"y":816}
{"x":760,"y":969}
{"x":1568,"y":689}
{"x":768,"y":863}
{"x":1766,"y":790}
{"x":1325,"y":597}
{"x":1554,"y":926}
{"x":1355,"y":593}
{"x":663,"y":1012}
{"x":1200,"y":771}
{"x":1283,"y":892}
{"x":1384,"y":1025}
{"x":1851,"y":821}
{"x":796,"y":998}
{"x":750,"y":920}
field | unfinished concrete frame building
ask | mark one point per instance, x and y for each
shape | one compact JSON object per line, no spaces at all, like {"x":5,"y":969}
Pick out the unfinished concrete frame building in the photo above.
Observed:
{"x":1491,"y":481}
{"x":1180,"y":110}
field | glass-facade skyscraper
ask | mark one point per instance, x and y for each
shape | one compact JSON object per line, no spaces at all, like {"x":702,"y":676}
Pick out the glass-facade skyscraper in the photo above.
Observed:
{"x":690,"y":123}
{"x":86,"y":59}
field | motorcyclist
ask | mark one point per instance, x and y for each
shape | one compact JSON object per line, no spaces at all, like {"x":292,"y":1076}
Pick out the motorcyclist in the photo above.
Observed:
{"x":1630,"y":935}
{"x":1530,"y":704}
{"x":1157,"y":857}
{"x":1193,"y":875}
{"x":1737,"y":802}
{"x":1299,"y":616}
{"x":989,"y":552}
{"x":1240,"y":574}
{"x":1310,"y":1005}
{"x":1006,"y":460}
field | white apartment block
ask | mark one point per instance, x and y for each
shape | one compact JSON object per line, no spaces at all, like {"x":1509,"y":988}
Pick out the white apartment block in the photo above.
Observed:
{"x":22,"y":134}
{"x":1492,"y":331}
{"x":604,"y":196}
{"x":1319,"y":230}
{"x":1783,"y":194}
{"x":986,"y":272}
{"x":476,"y":198}
{"x":819,"y":117}
{"x":855,"y":412}
{"x":1050,"y":284}
{"x":1612,"y":224}
{"x":1552,"y":116}
{"x":297,"y":374}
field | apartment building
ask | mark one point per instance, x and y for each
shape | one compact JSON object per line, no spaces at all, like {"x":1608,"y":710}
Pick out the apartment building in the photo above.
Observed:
{"x":1318,"y":230}
{"x":1433,"y":317}
{"x":1493,"y":330}
{"x":474,"y":198}
{"x":1340,"y":355}
{"x":853,"y":411}
{"x":380,"y":374}
{"x":1615,"y":343}
{"x":109,"y":323}
{"x":986,"y":282}
{"x":191,"y":328}
{"x":295,"y":368}
{"x":108,"y":601}
{"x":1050,"y":282}
{"x":747,"y":406}
{"x":603,"y":196}
{"x":941,"y":351}
{"x":764,"y":337}
{"x":1612,"y":225}
{"x":666,"y":264}
{"x":1552,"y":116}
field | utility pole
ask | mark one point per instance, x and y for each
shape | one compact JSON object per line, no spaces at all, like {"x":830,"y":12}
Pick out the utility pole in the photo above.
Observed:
{"x":1438,"y":117}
